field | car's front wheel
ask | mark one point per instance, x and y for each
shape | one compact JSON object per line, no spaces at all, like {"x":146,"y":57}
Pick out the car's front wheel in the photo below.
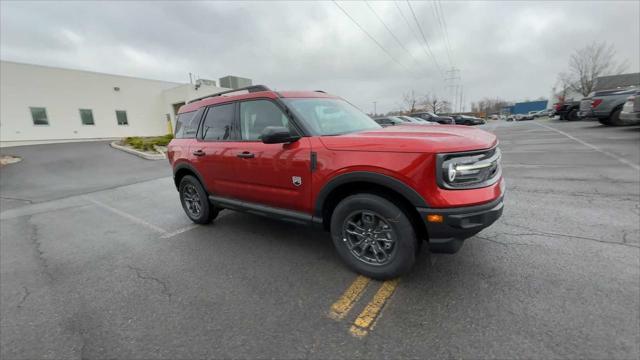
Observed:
{"x":373,"y":236}
{"x":195,"y":201}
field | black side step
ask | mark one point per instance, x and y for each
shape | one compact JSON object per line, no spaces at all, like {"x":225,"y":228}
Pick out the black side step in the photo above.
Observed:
{"x":264,"y":210}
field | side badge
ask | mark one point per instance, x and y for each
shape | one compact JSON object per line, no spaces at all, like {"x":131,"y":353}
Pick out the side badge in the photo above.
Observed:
{"x":296,"y":180}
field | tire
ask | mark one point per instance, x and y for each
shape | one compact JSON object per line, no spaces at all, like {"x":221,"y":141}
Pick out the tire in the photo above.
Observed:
{"x":192,"y":197}
{"x":376,"y":218}
{"x":604,"y":121}
{"x":573,"y":115}
{"x":614,"y":119}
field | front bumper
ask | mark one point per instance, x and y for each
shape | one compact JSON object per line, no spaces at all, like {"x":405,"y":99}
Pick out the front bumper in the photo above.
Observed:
{"x":459,"y":224}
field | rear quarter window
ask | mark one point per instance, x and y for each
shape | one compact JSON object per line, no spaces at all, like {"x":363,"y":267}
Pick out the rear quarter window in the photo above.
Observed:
{"x":186,"y":125}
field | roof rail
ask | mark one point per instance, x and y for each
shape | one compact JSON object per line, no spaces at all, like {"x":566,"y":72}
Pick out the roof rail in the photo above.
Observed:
{"x":253,"y":88}
{"x":321,"y":91}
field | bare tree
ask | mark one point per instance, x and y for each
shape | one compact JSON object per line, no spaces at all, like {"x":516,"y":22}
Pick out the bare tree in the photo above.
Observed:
{"x":410,"y":101}
{"x":435,"y":105}
{"x":590,"y":62}
{"x":564,"y":86}
{"x":489,"y":106}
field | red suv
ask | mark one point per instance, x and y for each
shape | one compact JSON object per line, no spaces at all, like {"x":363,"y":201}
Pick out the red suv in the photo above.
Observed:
{"x":313,"y":158}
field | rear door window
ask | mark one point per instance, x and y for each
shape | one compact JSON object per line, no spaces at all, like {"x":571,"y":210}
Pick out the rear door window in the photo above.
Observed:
{"x":218,"y":123}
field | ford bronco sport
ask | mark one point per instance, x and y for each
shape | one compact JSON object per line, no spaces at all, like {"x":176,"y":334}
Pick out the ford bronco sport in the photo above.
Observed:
{"x":313,"y":158}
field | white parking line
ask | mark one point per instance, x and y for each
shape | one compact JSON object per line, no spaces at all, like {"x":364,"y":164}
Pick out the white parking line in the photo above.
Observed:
{"x":135,"y":219}
{"x":609,"y":154}
{"x":179,"y":231}
{"x":164,"y":234}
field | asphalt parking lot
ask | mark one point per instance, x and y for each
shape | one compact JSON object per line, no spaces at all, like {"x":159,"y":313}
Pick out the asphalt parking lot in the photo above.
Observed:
{"x":97,"y":260}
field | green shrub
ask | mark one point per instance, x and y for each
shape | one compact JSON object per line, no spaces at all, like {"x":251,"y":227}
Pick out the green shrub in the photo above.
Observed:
{"x":147,"y":143}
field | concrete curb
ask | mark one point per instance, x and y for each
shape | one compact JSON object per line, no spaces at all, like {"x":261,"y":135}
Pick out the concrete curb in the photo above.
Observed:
{"x":141,"y":154}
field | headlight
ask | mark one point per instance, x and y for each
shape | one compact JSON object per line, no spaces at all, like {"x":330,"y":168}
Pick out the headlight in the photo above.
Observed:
{"x":451,"y":173}
{"x":469,"y":169}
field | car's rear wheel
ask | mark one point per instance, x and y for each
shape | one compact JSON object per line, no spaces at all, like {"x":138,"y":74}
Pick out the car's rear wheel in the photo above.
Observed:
{"x":195,"y":201}
{"x":373,"y":236}
{"x":573,"y":115}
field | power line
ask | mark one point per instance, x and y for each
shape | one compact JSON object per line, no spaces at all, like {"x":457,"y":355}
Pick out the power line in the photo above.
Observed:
{"x":439,"y":18}
{"x":390,"y":32}
{"x":409,"y":26}
{"x":415,"y":34}
{"x":415,"y":18}
{"x":446,"y":29}
{"x":372,"y":38}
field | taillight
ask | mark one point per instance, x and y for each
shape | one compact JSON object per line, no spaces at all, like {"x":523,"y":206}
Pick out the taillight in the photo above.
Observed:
{"x":595,"y":103}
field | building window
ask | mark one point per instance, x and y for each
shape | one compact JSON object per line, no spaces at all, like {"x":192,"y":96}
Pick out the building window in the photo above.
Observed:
{"x":86,"y":116}
{"x":39,"y":116}
{"x":121,"y":115}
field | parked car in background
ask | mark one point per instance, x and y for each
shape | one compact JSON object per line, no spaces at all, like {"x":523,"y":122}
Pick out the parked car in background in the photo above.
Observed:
{"x":417,"y":121}
{"x":521,"y":117}
{"x":631,"y":110}
{"x":429,"y":116}
{"x":541,"y":113}
{"x":467,"y":120}
{"x":606,"y":105}
{"x":568,"y":110}
{"x":389,"y":121}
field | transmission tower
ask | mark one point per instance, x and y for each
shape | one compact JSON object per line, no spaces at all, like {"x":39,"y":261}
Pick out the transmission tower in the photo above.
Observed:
{"x":454,"y":89}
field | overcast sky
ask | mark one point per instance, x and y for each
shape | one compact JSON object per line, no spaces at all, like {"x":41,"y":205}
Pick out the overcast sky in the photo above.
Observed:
{"x":511,"y":50}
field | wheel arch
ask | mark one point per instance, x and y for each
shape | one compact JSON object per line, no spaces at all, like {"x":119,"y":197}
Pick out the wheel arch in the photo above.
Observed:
{"x":616,"y":108}
{"x":386,"y":186}
{"x":183,"y":169}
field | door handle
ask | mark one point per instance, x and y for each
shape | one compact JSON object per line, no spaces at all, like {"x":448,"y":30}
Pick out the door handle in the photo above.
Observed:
{"x":199,"y":152}
{"x":246,"y":155}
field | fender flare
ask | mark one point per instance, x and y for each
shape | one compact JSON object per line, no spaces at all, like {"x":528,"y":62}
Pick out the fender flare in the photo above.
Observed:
{"x":186,"y":166}
{"x":371,"y":177}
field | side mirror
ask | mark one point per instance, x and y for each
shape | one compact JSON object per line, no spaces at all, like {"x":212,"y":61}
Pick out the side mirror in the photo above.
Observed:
{"x":277,"y":135}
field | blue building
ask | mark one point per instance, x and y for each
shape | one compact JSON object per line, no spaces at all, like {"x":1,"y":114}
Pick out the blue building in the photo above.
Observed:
{"x":528,"y":106}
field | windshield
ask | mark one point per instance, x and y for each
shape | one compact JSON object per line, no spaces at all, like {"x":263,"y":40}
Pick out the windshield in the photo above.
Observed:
{"x":330,"y":116}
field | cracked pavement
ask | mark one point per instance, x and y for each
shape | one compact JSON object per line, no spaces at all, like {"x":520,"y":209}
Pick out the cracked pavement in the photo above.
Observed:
{"x":97,"y":260}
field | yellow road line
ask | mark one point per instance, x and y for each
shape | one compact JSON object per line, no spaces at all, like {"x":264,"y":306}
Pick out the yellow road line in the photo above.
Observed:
{"x":342,"y":306}
{"x":367,"y":317}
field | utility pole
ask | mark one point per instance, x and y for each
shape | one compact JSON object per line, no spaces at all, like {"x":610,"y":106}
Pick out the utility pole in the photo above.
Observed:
{"x":375,"y":112}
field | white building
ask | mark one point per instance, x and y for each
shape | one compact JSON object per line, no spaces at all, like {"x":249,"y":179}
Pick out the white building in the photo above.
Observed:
{"x":41,"y":104}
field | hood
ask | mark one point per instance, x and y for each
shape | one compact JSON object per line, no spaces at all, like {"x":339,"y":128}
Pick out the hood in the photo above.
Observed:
{"x":406,"y":138}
